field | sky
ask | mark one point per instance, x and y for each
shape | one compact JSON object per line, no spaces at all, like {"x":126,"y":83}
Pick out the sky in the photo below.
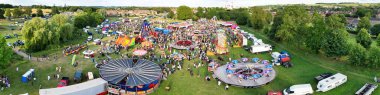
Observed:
{"x":174,"y":3}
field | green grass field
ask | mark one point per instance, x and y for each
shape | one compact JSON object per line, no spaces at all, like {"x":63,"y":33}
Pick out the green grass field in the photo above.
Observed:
{"x":307,"y":66}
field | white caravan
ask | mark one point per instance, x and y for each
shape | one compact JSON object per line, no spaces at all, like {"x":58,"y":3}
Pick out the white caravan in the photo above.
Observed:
{"x":261,"y":48}
{"x":331,"y":82}
{"x":300,"y":89}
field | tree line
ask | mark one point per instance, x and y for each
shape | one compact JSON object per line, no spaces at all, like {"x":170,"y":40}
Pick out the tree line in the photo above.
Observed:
{"x":40,"y":34}
{"x":325,"y":34}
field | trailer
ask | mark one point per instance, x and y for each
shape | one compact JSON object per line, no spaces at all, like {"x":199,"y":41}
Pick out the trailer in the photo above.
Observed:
{"x":331,"y":82}
{"x":261,"y":48}
{"x":367,"y":89}
{"x":91,"y":87}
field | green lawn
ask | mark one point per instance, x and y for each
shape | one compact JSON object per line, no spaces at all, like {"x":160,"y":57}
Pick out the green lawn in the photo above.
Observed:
{"x":307,"y":66}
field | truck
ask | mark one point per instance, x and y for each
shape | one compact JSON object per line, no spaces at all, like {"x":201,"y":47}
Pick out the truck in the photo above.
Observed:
{"x":331,"y":82}
{"x":299,"y":89}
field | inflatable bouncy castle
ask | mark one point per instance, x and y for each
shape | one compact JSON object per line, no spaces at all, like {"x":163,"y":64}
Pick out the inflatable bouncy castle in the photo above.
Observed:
{"x":125,"y":41}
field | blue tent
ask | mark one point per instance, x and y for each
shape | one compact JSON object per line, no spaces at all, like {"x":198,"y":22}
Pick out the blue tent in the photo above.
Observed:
{"x":158,"y":29}
{"x":166,"y":31}
{"x":255,"y":60}
{"x":235,"y":61}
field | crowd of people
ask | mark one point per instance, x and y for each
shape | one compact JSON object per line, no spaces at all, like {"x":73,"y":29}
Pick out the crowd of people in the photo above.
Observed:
{"x":4,"y":82}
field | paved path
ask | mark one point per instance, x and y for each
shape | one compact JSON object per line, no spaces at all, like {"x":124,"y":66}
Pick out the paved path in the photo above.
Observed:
{"x":26,"y":56}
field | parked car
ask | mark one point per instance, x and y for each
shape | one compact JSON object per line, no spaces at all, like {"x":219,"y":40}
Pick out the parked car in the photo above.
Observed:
{"x":7,"y":36}
{"x":287,"y":64}
{"x":274,"y":93}
{"x":63,"y":82}
{"x":247,"y":48}
{"x":323,"y":76}
{"x":300,"y":89}
{"x":18,"y":43}
{"x":78,"y":76}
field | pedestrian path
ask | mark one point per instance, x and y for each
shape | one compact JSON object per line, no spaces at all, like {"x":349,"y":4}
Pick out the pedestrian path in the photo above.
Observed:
{"x":26,"y":56}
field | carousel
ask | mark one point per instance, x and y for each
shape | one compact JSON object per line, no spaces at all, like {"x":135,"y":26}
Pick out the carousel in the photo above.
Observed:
{"x":131,"y":76}
{"x":247,"y":74}
{"x":183,"y":44}
{"x":88,"y":54}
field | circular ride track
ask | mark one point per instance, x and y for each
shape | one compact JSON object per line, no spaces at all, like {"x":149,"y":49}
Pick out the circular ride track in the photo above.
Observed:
{"x":262,"y":76}
{"x":132,"y":75}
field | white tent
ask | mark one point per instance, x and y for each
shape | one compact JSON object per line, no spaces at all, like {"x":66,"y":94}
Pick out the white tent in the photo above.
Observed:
{"x":91,"y":87}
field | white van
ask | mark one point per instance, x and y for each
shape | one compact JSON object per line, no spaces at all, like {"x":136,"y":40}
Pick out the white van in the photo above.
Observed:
{"x":331,"y":82}
{"x":300,"y":89}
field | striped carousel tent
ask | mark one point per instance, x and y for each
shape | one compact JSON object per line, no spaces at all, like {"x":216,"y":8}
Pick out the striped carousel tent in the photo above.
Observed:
{"x":131,"y":72}
{"x":131,"y":76}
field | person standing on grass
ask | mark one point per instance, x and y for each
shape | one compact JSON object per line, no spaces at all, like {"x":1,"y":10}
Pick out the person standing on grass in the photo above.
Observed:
{"x":226,"y":87}
{"x":219,"y":83}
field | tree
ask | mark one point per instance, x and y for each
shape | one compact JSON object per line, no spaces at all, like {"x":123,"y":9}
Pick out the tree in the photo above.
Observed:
{"x":8,"y":14}
{"x":2,"y":14}
{"x":184,"y":12}
{"x":242,"y":19}
{"x":39,"y":13}
{"x":87,"y":19}
{"x":211,"y":12}
{"x":259,"y":18}
{"x":61,"y":24}
{"x":200,"y":12}
{"x":343,"y":19}
{"x":291,"y":24}
{"x":378,"y":40}
{"x":362,"y":12}
{"x":28,"y":12}
{"x":16,"y":12}
{"x":54,"y":11}
{"x":171,"y":14}
{"x":363,"y":23}
{"x":336,"y":42}
{"x":6,"y":6}
{"x":363,"y":38}
{"x":375,"y":30}
{"x":35,"y":33}
{"x":374,"y":57}
{"x":88,"y":9}
{"x":316,"y":36}
{"x":358,"y":55}
{"x":5,"y":53}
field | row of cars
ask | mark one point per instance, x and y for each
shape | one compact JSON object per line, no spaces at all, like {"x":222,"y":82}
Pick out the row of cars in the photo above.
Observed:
{"x":326,"y":82}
